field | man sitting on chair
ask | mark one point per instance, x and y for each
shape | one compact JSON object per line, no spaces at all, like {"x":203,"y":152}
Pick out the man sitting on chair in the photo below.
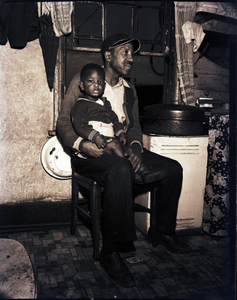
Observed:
{"x":116,"y":174}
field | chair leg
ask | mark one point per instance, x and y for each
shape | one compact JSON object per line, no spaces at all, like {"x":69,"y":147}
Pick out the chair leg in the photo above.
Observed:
{"x":95,"y":205}
{"x":153,"y":215}
{"x":74,"y":213}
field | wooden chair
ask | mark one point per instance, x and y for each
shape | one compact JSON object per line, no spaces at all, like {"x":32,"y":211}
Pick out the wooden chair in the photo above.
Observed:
{"x":93,"y":215}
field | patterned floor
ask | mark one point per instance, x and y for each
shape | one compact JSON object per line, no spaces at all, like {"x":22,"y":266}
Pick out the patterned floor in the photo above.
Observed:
{"x":64,"y":268}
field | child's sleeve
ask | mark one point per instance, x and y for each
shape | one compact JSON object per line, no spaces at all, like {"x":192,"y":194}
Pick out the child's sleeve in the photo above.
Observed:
{"x":80,"y":121}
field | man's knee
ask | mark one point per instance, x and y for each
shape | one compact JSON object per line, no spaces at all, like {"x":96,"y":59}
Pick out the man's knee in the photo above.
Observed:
{"x":122,"y":169}
{"x":176,"y":169}
{"x":114,"y":144}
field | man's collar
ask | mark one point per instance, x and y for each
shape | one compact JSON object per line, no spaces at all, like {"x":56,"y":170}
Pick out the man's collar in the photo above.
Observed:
{"x":125,"y":82}
{"x":122,"y":81}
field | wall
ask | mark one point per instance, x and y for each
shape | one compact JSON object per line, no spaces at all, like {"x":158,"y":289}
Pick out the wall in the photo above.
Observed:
{"x":141,"y":73}
{"x":26,"y":115}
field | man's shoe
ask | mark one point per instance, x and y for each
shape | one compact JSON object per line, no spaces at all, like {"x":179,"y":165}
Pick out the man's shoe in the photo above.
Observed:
{"x":170,"y":242}
{"x":116,"y":269}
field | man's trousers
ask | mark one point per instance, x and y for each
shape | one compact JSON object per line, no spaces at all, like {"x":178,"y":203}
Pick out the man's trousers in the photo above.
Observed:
{"x":116,"y":175}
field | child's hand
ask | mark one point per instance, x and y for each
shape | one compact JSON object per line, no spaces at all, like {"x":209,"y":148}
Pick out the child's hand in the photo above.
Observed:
{"x":100,"y":141}
{"x":122,"y":138}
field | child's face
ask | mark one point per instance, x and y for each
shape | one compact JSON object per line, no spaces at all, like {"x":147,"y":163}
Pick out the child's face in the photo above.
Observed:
{"x":93,"y":85}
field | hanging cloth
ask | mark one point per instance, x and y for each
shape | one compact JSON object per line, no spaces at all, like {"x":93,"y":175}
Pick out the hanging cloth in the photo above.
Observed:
{"x":49,"y":44}
{"x":184,"y":11}
{"x":18,"y":23}
{"x":61,"y":12}
{"x":216,"y":218}
{"x":61,"y":17}
{"x":193,"y":31}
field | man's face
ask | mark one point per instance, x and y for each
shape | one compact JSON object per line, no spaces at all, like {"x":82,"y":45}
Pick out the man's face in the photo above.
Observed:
{"x":122,"y":59}
{"x":93,"y":85}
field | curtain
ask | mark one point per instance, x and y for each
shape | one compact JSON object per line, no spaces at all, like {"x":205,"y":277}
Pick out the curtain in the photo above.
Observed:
{"x":184,"y":11}
{"x":216,"y":198}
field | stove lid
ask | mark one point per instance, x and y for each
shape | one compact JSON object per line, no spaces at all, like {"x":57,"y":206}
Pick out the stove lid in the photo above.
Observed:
{"x":173,"y":112}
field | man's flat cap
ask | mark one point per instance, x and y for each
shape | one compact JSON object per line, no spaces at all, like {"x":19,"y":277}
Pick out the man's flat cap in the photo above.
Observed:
{"x":117,"y":40}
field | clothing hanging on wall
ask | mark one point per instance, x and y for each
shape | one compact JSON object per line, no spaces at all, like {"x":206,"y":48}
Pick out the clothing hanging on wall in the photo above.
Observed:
{"x":55,"y":21}
{"x":49,"y":44}
{"x":184,"y":11}
{"x":193,"y":31}
{"x":60,"y":13}
{"x":18,"y":23}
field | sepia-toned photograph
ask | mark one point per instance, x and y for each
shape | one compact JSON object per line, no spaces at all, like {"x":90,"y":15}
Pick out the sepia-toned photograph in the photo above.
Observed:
{"x":118,"y":150}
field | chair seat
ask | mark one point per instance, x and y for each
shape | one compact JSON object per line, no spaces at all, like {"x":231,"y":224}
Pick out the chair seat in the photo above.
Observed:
{"x":86,"y":182}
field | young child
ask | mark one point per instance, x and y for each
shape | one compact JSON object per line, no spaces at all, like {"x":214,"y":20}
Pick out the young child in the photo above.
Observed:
{"x":92,"y":115}
{"x":93,"y":119}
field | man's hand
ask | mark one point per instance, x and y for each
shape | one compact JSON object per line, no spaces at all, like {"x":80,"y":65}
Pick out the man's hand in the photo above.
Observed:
{"x":134,"y":155}
{"x":90,"y":149}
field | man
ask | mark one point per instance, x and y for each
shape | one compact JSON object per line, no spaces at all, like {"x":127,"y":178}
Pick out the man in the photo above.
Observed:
{"x":117,"y":174}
